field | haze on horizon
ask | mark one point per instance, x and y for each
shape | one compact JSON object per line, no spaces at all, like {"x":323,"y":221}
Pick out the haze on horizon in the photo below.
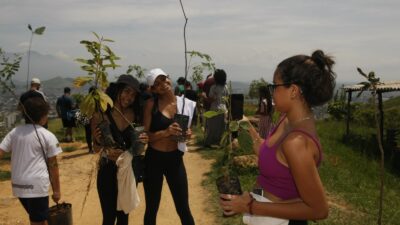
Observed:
{"x":246,"y":38}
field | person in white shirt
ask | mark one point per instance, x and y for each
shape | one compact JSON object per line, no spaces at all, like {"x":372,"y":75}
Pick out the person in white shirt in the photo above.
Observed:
{"x":33,"y":160}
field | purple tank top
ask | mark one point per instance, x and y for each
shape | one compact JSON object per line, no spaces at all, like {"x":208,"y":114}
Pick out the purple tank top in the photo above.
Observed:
{"x":275,"y":177}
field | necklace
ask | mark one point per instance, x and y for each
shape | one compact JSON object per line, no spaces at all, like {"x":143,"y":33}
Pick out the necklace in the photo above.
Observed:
{"x":300,"y":120}
{"x":129,"y":122}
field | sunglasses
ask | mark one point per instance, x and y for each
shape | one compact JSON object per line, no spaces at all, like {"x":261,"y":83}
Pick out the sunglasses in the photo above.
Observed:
{"x":272,"y":87}
{"x":160,"y":79}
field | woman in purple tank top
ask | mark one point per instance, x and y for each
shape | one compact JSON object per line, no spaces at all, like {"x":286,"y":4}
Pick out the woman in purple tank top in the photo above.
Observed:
{"x":290,"y":155}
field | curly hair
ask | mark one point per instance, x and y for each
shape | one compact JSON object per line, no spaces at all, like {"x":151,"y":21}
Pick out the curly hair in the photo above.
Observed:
{"x":313,"y":74}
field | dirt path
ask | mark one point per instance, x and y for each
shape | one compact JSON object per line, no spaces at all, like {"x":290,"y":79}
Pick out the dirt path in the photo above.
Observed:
{"x":75,"y":168}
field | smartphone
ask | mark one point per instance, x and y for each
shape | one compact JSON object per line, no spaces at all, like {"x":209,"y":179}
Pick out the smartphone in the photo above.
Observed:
{"x":258,"y":191}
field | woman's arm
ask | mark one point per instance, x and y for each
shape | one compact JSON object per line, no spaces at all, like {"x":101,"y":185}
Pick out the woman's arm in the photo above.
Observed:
{"x":257,"y":140}
{"x":300,"y":158}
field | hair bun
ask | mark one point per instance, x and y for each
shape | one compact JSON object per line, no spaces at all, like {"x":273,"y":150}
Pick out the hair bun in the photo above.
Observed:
{"x":322,"y":60}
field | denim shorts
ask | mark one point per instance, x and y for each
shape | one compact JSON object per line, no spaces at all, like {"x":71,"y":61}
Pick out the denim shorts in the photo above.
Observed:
{"x":37,"y":208}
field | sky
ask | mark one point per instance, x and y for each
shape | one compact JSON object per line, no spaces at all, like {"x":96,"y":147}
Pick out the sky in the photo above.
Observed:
{"x":246,"y":38}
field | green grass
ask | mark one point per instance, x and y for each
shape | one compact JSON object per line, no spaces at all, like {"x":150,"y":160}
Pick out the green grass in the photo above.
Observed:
{"x":5,"y":175}
{"x":55,"y":126}
{"x":349,"y":174}
{"x":353,"y":179}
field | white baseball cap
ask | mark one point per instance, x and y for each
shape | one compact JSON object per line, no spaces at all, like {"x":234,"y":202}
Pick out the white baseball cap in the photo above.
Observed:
{"x":153,"y":74}
{"x":35,"y":81}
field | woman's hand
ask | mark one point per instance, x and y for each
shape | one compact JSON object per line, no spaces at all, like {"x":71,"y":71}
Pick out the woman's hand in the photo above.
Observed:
{"x":174,"y":129}
{"x":144,"y":138}
{"x":232,"y":204}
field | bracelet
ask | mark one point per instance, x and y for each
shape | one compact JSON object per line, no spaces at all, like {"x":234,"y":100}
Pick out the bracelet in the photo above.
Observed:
{"x":250,"y":205}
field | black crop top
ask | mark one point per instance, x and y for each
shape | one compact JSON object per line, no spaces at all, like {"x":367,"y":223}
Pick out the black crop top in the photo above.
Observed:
{"x":158,"y":120}
{"x":123,"y":139}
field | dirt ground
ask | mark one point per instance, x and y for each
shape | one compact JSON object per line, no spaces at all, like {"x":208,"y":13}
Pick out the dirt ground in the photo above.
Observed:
{"x":75,"y":170}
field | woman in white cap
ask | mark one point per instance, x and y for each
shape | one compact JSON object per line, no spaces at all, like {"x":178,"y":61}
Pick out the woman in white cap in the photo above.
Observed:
{"x":162,"y":156}
{"x":126,"y":111}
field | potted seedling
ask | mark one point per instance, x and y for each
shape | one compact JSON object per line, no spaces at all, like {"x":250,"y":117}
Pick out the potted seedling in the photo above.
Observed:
{"x":228,"y":182}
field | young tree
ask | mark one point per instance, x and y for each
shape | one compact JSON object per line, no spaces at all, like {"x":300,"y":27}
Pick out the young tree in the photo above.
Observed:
{"x":371,"y":84}
{"x":37,"y":31}
{"x":254,"y":87}
{"x":96,"y":67}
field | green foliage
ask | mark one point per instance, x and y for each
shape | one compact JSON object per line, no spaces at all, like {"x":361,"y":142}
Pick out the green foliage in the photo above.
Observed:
{"x":348,"y":177}
{"x":5,"y":175}
{"x":8,"y":69}
{"x":254,"y":87}
{"x":242,"y":127}
{"x":38,"y":31}
{"x":249,"y":109}
{"x":103,"y":58}
{"x":337,"y":108}
{"x":351,"y":179}
{"x":69,"y":149}
{"x":205,"y":64}
{"x":139,"y":71}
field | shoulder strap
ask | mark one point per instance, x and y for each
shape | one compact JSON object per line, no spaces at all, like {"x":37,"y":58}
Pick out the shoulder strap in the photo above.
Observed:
{"x":155,"y":105}
{"x":116,"y":133}
{"x":313,"y":137}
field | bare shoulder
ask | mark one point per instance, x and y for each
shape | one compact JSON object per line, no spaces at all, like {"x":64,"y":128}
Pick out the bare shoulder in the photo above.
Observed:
{"x":299,"y":145}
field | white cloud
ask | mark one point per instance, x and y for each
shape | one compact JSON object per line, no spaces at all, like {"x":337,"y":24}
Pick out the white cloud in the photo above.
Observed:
{"x":250,"y":36}
{"x":62,"y":55}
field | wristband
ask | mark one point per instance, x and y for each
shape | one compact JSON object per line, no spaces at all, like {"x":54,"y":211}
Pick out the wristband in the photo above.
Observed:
{"x":250,"y":205}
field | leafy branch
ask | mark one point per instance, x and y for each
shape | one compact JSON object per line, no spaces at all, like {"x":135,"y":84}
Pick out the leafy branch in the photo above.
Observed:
{"x":8,"y":69}
{"x":198,"y":69}
{"x":103,"y":58}
{"x":139,"y":71}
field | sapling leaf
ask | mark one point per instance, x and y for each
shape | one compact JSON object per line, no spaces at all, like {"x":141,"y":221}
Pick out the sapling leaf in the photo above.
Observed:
{"x":244,"y":125}
{"x":211,"y":114}
{"x":40,"y":30}
{"x":81,"y":81}
{"x":233,"y":126}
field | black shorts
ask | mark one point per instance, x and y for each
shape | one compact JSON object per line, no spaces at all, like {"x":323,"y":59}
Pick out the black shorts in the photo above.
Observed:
{"x":37,"y":208}
{"x":68,"y":123}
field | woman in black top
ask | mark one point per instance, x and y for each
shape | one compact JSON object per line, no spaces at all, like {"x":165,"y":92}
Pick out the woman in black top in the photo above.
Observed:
{"x":126,"y":111}
{"x":162,"y":156}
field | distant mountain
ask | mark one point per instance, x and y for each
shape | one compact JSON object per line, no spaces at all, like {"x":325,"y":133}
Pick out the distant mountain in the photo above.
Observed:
{"x":45,"y":67}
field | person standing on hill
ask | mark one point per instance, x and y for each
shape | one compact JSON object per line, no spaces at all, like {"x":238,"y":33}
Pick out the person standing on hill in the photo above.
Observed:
{"x":126,"y":111}
{"x":164,"y":157}
{"x":288,"y":187}
{"x":215,"y":126}
{"x":65,"y":105}
{"x":265,"y":111}
{"x":33,"y":91}
{"x":34,"y":165}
